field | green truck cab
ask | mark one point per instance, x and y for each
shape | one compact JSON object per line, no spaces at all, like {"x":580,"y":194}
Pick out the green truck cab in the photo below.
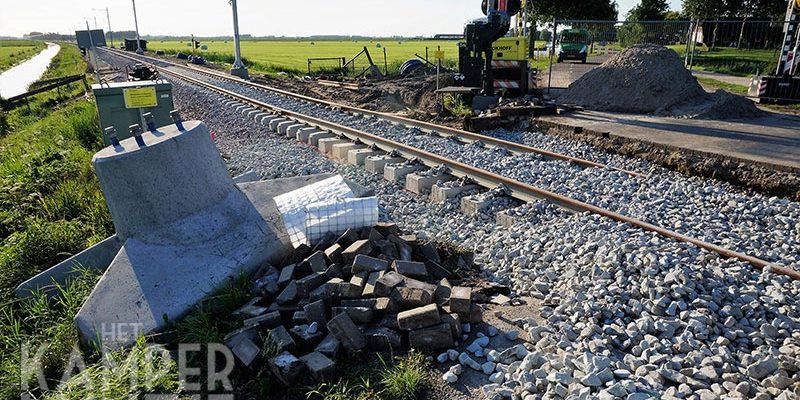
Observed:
{"x":573,"y":44}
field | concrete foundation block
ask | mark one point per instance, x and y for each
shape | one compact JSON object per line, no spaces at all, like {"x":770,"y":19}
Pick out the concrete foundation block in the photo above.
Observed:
{"x":325,"y":145}
{"x":421,"y":184}
{"x":186,"y":229}
{"x":340,"y":151}
{"x":359,"y":156}
{"x":441,"y":193}
{"x":314,"y":138}
{"x":376,"y":164}
{"x":398,"y":172}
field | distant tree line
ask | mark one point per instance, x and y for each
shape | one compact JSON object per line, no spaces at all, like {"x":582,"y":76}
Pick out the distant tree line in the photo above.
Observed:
{"x":544,"y":11}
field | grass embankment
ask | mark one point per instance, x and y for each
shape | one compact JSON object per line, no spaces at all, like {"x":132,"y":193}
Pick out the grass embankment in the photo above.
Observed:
{"x":717,"y":84}
{"x":50,"y":207}
{"x":13,"y":52}
{"x":291,"y":56}
{"x":732,"y":61}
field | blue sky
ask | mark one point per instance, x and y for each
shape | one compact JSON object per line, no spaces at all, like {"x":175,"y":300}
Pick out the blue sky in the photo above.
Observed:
{"x":257,"y":17}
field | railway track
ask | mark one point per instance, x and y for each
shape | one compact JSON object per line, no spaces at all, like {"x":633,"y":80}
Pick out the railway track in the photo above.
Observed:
{"x":431,"y":128}
{"x":487,"y":179}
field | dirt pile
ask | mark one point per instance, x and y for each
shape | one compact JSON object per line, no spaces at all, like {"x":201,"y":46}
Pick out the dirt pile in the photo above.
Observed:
{"x":651,"y":79}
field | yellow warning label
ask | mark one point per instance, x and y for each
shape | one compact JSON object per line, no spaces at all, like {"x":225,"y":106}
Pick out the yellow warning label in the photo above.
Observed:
{"x":439,"y":54}
{"x":140,"y":97}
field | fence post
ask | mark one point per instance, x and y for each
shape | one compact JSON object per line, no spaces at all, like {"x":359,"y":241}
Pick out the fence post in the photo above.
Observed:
{"x":689,"y":38}
{"x":385,"y":63}
{"x":552,"y":53}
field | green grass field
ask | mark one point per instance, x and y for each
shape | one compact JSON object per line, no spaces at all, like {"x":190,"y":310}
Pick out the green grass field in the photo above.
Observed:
{"x":293,"y":55}
{"x":13,"y":52}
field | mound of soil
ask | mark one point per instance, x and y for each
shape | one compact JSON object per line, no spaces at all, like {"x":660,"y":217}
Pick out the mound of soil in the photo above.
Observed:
{"x":719,"y":105}
{"x":652,"y":79}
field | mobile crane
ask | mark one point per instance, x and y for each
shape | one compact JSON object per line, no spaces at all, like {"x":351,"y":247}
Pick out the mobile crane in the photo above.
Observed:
{"x":784,"y":85}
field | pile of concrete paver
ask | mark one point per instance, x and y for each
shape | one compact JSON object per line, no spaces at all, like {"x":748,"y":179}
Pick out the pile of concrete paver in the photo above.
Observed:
{"x":360,"y":291}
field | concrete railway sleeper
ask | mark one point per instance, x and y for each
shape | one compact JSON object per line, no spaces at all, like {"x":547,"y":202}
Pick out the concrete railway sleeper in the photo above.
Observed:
{"x":332,"y":134}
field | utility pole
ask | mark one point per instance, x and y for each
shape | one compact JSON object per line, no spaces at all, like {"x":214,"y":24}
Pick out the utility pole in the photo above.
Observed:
{"x":108,"y":19}
{"x":136,"y":24}
{"x":238,"y":68}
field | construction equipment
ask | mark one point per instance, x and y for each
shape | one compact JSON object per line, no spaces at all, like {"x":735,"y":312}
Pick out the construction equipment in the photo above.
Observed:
{"x":490,"y":60}
{"x":784,"y":85}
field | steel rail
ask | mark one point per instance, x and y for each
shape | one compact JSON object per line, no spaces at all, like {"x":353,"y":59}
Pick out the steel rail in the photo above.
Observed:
{"x":518,"y":190}
{"x":444,"y":131}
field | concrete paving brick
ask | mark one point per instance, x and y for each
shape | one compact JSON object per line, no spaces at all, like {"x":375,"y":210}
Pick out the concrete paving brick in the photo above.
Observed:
{"x":358,"y":247}
{"x":330,"y":347}
{"x":286,"y":367}
{"x":386,"y":283}
{"x":364,"y":263}
{"x":281,"y":338}
{"x":380,"y":338}
{"x":411,"y":269}
{"x":343,"y":328}
{"x":432,"y":338}
{"x":359,"y":315}
{"x":407,"y":297}
{"x":320,"y":366}
{"x":420,"y":317}
{"x":267,"y":321}
{"x":460,"y":300}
